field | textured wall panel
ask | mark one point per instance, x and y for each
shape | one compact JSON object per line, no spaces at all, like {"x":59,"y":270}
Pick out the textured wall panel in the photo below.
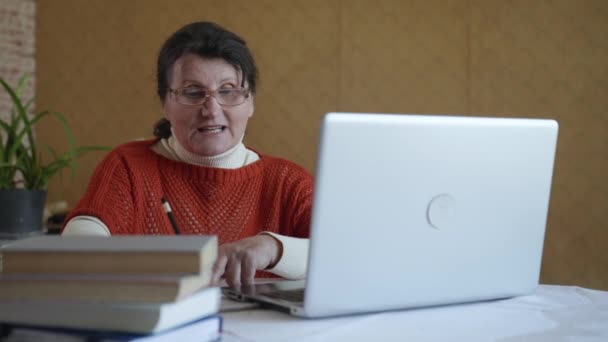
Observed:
{"x":404,"y":56}
{"x":550,"y":60}
{"x":96,"y":64}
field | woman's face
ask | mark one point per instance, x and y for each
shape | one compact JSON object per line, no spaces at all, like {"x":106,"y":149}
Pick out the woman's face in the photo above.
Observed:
{"x":209,"y":128}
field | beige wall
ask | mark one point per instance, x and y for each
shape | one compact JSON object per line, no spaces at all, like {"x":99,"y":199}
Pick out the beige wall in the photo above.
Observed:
{"x":96,"y":63}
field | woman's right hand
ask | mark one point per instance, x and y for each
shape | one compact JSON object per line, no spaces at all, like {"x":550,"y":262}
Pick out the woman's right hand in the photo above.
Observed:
{"x":238,"y":261}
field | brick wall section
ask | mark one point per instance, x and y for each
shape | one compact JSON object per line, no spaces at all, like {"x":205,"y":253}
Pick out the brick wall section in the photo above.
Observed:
{"x":17,"y":34}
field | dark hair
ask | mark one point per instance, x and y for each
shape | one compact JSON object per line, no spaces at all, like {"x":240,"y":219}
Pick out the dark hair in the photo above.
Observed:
{"x":207,"y":40}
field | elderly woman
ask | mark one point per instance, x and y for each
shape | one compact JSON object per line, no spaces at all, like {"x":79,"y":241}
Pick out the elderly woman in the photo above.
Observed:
{"x":259,"y":206}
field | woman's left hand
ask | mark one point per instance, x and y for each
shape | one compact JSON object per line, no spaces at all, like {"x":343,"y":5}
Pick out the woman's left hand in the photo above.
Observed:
{"x":238,"y":261}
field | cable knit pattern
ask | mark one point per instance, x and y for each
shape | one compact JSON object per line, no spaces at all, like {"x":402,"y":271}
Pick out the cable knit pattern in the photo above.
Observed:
{"x":271,"y":194}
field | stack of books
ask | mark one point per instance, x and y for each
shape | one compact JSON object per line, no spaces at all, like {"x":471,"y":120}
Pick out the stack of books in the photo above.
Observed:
{"x":118,"y":288}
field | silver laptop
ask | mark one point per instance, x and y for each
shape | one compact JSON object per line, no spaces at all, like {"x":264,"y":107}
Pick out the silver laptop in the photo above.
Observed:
{"x":419,"y":210}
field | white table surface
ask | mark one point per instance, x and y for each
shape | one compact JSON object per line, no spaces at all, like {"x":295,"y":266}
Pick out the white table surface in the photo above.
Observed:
{"x":552,"y":313}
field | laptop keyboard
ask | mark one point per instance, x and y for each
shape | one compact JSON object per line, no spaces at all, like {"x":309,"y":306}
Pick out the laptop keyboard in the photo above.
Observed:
{"x":295,"y":296}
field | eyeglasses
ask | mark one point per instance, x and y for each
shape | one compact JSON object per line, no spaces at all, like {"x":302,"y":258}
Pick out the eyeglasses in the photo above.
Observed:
{"x":194,"y":96}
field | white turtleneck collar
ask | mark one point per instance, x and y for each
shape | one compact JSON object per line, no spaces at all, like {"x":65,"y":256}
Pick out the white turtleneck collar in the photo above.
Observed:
{"x":237,"y":156}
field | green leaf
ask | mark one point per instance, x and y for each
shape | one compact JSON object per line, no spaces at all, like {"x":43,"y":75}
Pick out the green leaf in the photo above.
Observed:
{"x":68,"y":157}
{"x":21,"y":116}
{"x":18,"y":152}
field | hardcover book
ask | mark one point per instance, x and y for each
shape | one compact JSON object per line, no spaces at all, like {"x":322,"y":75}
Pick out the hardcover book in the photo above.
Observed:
{"x":151,"y":288}
{"x":205,"y":329}
{"x":140,"y":318}
{"x":111,"y":255}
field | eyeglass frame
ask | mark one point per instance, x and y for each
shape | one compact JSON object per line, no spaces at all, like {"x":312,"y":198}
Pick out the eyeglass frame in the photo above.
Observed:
{"x":211,"y":93}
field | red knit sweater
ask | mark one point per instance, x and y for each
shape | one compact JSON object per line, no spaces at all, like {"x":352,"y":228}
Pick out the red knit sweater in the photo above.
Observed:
{"x":125,"y":193}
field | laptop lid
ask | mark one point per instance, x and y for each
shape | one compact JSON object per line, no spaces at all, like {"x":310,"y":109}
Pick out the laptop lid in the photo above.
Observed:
{"x":421,"y":210}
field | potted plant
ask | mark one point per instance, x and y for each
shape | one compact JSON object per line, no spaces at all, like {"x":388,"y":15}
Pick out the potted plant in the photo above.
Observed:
{"x":24,"y":175}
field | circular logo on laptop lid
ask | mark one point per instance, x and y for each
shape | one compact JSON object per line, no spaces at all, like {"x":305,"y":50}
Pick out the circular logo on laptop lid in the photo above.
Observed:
{"x":441,"y":211}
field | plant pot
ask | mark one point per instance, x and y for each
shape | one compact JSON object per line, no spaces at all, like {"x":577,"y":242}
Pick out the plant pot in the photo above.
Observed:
{"x":21,"y":212}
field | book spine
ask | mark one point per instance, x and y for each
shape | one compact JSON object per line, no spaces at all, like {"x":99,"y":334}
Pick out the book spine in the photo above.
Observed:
{"x":104,"y":263}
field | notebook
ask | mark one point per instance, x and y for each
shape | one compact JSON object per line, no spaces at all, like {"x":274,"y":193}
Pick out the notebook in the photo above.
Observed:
{"x":421,"y":210}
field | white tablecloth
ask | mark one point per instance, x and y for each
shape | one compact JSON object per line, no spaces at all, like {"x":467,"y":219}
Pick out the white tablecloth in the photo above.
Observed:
{"x":552,"y":313}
